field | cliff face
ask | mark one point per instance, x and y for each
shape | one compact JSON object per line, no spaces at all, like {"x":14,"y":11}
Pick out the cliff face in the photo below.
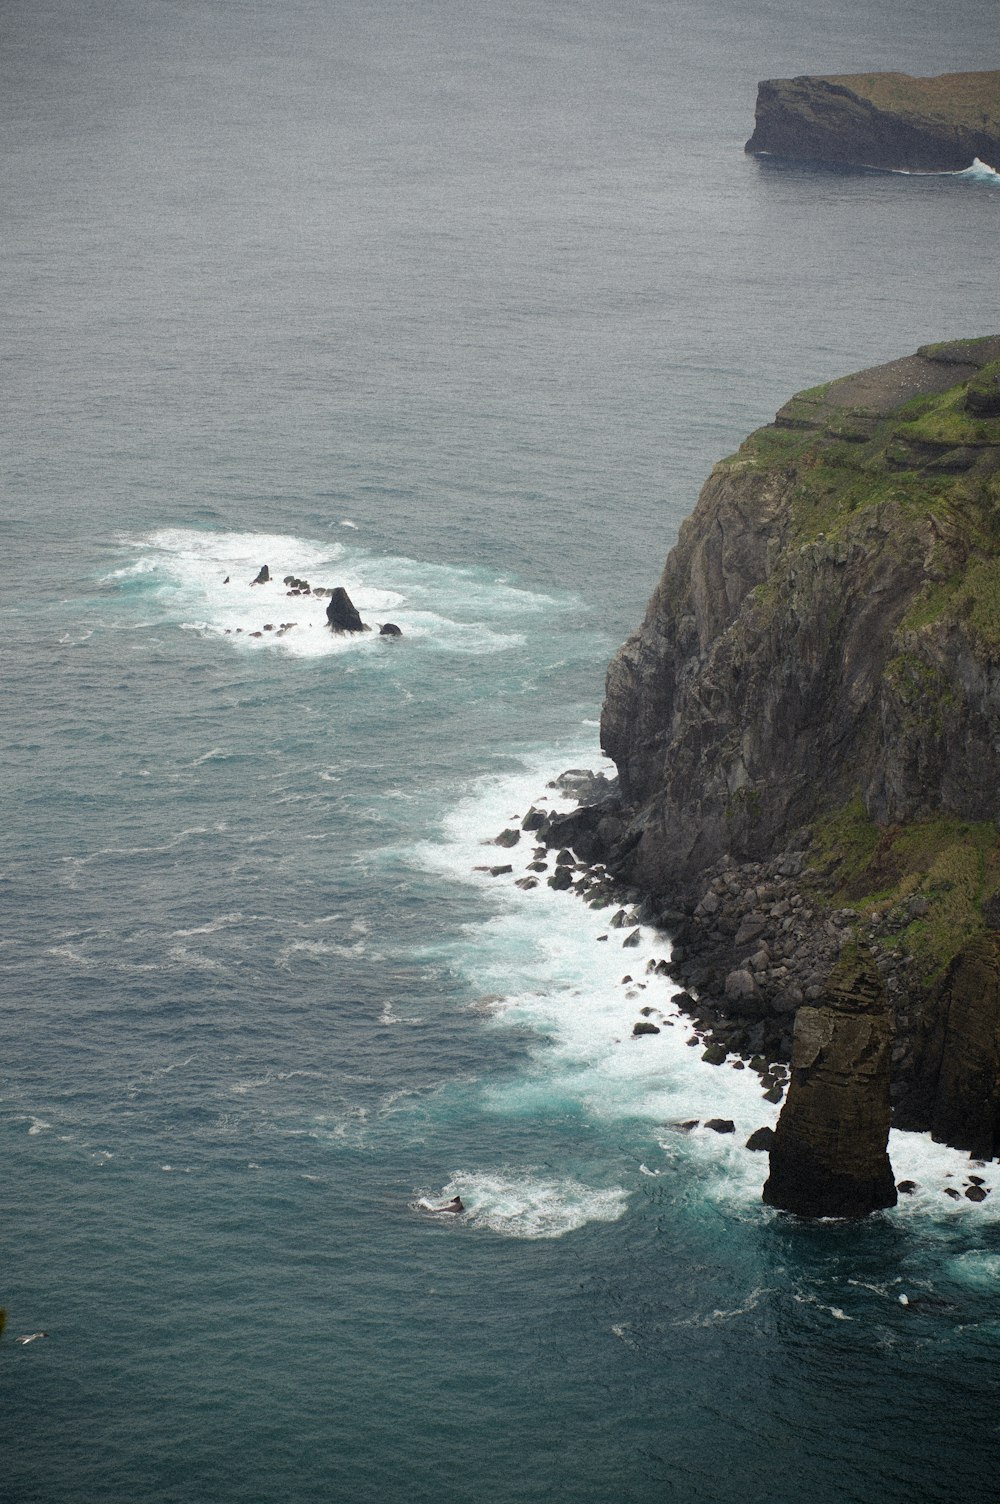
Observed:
{"x":826,"y":624}
{"x":887,"y":120}
{"x":813,"y":701}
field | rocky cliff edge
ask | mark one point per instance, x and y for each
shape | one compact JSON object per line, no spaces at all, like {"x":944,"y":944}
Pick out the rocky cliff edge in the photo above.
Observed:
{"x":812,"y":703}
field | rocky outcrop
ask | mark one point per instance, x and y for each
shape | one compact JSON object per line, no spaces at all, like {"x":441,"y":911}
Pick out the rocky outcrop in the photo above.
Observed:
{"x":829,"y":1158}
{"x":886,"y":120}
{"x":342,"y":614}
{"x":806,"y":723}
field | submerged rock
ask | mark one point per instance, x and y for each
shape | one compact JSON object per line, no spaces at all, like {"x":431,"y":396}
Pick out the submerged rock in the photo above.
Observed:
{"x":829,"y":1154}
{"x":389,"y":629}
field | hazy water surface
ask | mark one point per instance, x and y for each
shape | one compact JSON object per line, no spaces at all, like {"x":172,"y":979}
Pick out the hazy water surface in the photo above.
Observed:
{"x":453,"y":305}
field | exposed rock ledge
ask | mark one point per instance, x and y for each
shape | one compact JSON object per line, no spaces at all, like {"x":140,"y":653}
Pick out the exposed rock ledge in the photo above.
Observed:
{"x":807,"y":728}
{"x":887,"y":120}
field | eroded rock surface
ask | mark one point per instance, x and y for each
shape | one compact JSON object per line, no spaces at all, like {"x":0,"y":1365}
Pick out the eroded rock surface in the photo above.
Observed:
{"x":829,"y":1156}
{"x":342,"y":614}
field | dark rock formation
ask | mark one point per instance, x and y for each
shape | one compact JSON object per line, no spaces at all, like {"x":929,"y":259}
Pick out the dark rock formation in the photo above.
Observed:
{"x":389,"y":629}
{"x":341,"y":613}
{"x":886,"y":120}
{"x":829,"y":1154}
{"x":263,"y":576}
{"x":956,"y":1081}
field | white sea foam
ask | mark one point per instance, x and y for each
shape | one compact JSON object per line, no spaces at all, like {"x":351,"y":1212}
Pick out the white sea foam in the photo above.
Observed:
{"x":539,"y":960}
{"x":977,"y":1268}
{"x":977,"y":172}
{"x":520,"y":1204}
{"x":933,"y":1167}
{"x":203,"y":581}
{"x":980,"y":172}
{"x":541,"y":963}
{"x":715,"y":1317}
{"x":223,"y":921}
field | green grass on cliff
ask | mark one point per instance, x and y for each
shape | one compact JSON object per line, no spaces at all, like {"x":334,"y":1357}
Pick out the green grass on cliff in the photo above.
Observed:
{"x":969,"y":99}
{"x":924,"y":882}
{"x":848,"y":470}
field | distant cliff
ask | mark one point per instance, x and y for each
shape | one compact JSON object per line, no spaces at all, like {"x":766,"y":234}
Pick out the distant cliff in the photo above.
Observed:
{"x":887,"y":120}
{"x":807,"y":723}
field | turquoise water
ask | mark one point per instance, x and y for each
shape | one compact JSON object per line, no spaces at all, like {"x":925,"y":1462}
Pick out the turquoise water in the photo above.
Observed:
{"x":455,"y":307}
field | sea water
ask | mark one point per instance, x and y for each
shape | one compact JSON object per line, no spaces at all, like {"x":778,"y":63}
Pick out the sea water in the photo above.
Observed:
{"x":455,"y":306}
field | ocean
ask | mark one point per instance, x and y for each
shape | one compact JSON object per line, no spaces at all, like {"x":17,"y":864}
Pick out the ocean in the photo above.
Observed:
{"x":454,"y":305}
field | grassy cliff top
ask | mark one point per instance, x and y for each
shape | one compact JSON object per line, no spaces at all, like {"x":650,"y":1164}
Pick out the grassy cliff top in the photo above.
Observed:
{"x":956,"y":99}
{"x":925,"y":882}
{"x":914,"y":447}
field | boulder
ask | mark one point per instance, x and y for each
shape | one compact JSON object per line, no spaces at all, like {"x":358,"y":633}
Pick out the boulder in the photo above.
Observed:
{"x":829,"y":1154}
{"x":389,"y":629}
{"x":721,"y":1125}
{"x":263,"y":576}
{"x":644,"y":1027}
{"x":761,"y":1140}
{"x":740,"y":985}
{"x":341,"y":613}
{"x":507,"y":838}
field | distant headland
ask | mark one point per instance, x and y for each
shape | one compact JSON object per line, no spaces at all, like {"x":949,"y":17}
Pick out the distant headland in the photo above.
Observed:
{"x":885,"y":120}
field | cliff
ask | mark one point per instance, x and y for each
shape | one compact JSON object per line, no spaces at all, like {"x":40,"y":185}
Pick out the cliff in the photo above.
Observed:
{"x":887,"y":120}
{"x":807,"y":723}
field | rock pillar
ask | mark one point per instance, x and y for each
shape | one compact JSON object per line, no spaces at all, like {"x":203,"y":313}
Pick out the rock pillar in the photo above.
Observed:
{"x":829,"y":1154}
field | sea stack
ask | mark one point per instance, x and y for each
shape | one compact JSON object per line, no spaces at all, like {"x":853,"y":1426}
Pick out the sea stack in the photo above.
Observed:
{"x":829,"y":1154}
{"x":342,"y":614}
